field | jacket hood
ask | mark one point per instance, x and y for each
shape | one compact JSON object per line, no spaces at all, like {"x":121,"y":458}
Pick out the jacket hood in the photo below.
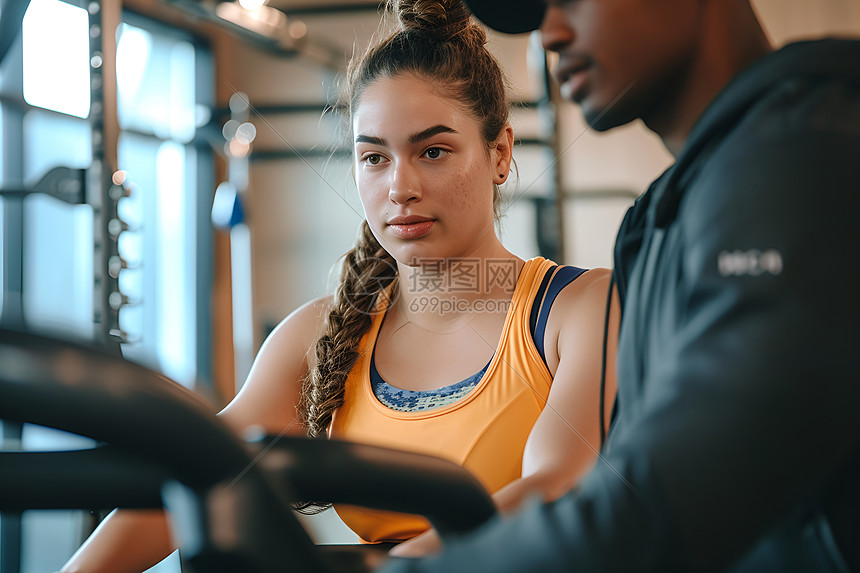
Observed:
{"x":811,"y":60}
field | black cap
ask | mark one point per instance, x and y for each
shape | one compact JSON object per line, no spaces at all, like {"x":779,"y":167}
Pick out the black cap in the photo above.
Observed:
{"x":510,"y":16}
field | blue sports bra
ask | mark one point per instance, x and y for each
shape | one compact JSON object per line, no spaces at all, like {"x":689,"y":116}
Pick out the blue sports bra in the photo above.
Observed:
{"x":415,"y":401}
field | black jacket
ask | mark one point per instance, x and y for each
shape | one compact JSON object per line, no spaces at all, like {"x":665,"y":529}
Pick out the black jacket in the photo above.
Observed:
{"x":738,"y":369}
{"x":735,"y":445}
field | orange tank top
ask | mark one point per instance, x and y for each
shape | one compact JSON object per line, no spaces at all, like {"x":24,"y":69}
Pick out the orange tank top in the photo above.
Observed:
{"x":485,"y":431}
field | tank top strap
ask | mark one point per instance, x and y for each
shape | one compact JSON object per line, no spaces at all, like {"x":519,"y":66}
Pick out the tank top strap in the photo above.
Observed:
{"x":554,"y":281}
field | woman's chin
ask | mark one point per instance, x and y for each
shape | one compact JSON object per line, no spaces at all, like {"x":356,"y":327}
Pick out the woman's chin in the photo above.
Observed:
{"x":417,"y":255}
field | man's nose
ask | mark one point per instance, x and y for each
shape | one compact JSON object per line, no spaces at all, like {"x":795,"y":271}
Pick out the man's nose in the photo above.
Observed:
{"x":555,"y":30}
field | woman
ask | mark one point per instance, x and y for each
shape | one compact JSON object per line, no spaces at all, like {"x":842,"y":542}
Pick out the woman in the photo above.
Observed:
{"x":438,"y":339}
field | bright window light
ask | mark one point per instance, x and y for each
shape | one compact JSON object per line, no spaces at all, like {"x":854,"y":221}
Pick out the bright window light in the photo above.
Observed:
{"x":1,"y":156}
{"x":181,"y":109}
{"x":58,"y":291}
{"x":56,"y":57}
{"x":2,"y":161}
{"x":2,"y":263}
{"x":133,"y":49}
{"x":175,"y":285}
{"x":156,"y":77}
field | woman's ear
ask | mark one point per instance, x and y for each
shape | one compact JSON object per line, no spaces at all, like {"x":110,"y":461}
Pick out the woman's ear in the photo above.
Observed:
{"x":502,"y":154}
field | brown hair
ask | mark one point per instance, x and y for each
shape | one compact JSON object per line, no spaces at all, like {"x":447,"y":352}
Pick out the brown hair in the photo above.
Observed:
{"x":435,"y":40}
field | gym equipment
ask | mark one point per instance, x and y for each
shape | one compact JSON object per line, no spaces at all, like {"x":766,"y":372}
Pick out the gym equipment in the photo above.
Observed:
{"x":162,"y":445}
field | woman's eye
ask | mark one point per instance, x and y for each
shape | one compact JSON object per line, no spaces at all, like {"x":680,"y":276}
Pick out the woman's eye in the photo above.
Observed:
{"x":373,"y":159}
{"x":435,"y":153}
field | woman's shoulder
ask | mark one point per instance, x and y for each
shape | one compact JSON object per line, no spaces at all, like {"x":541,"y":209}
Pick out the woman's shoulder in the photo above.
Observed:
{"x":273,"y":386}
{"x":566,"y":285}
{"x":588,"y":288}
{"x":304,"y":325}
{"x":597,"y":275}
{"x":577,"y":312}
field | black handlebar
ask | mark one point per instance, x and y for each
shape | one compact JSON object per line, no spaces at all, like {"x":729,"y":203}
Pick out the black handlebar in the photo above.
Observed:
{"x":451,"y":498}
{"x":160,"y":433}
{"x":87,"y":391}
{"x":228,"y":516}
{"x":98,"y":478}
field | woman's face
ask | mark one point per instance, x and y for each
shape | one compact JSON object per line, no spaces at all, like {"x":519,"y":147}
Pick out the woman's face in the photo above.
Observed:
{"x":424,"y":172}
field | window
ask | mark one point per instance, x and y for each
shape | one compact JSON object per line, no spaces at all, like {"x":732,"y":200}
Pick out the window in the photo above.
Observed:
{"x":159,"y":112}
{"x":56,"y":57}
{"x":165,"y":96}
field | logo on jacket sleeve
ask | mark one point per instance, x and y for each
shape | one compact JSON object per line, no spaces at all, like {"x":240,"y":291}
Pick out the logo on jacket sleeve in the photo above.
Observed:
{"x":753,"y":263}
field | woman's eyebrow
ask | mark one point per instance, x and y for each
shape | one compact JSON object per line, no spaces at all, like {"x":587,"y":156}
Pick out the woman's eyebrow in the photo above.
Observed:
{"x":414,"y":138}
{"x":430,"y":132}
{"x":369,"y":139}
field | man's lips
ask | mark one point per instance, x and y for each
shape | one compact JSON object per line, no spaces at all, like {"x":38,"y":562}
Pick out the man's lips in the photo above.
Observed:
{"x":572,"y":77}
{"x":411,"y":227}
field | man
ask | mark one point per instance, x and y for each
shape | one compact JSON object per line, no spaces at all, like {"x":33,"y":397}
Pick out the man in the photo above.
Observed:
{"x":735,"y":445}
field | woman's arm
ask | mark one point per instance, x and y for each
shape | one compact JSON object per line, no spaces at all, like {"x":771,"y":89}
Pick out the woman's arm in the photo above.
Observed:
{"x":270,"y":394}
{"x":565,"y":440}
{"x":130,"y":541}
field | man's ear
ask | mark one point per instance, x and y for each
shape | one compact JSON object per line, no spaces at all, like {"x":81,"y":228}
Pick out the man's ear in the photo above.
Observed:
{"x":502,"y":154}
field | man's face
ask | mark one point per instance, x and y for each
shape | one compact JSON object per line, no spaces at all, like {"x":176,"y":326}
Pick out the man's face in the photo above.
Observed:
{"x":622,"y":59}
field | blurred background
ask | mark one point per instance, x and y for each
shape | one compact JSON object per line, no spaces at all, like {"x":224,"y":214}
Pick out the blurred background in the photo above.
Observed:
{"x":172,"y":186}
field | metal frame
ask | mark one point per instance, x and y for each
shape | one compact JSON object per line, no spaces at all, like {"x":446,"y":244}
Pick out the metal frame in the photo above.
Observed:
{"x":95,"y":187}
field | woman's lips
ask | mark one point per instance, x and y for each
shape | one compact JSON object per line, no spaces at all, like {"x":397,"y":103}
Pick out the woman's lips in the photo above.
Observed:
{"x":414,"y":230}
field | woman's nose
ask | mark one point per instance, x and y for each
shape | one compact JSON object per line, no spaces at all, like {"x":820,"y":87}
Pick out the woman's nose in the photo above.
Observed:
{"x":405,"y":186}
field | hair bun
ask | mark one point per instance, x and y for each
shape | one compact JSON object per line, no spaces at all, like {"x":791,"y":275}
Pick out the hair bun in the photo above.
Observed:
{"x":435,"y":19}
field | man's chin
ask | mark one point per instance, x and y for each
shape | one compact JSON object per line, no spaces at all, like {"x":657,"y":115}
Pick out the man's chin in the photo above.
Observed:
{"x":603,"y":119}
